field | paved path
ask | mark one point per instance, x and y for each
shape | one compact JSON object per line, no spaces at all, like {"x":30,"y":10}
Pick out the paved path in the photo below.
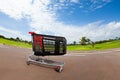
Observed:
{"x":92,"y":65}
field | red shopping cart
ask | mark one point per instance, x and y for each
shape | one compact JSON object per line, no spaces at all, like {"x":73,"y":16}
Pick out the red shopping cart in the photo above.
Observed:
{"x":47,"y":45}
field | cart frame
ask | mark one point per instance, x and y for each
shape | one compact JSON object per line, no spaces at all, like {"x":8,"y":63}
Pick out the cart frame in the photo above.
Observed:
{"x":47,"y":45}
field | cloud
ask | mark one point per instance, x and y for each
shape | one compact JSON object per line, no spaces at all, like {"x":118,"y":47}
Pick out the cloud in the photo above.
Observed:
{"x":95,"y":31}
{"x":75,"y":1}
{"x":83,"y":5}
{"x":8,"y":30}
{"x":12,"y":33}
{"x":44,"y":21}
{"x":96,"y":4}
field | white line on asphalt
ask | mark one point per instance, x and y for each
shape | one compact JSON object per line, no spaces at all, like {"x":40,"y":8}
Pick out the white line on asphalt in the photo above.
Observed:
{"x":3,"y":46}
{"x":74,"y":55}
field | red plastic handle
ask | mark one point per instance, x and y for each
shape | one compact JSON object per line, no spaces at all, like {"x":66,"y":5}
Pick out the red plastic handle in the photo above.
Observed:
{"x":32,"y":33}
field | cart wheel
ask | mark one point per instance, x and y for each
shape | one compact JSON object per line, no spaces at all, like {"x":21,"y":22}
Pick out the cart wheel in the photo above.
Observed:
{"x":59,"y":69}
{"x":28,"y":62}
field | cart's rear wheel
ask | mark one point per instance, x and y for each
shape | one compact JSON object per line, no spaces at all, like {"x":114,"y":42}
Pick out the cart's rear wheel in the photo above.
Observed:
{"x":59,"y":69}
{"x":28,"y":62}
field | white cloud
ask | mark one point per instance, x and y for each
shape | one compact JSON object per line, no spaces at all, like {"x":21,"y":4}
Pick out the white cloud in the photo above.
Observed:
{"x":8,"y":30}
{"x":12,"y":33}
{"x":75,"y":1}
{"x":96,"y":4}
{"x":44,"y":21}
{"x":94,"y":31}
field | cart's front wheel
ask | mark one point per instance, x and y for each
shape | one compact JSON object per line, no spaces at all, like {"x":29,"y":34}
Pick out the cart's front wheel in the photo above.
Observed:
{"x":59,"y":69}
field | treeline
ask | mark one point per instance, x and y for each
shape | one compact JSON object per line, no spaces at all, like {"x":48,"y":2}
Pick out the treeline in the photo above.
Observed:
{"x":87,"y":41}
{"x":16,"y":39}
{"x":104,"y":41}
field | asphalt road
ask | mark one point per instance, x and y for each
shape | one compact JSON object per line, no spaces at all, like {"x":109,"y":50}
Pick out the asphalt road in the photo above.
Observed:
{"x":80,"y":65}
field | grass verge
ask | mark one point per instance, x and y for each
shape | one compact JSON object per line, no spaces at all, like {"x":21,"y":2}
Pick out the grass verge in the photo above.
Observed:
{"x":102,"y":46}
{"x":15,"y":43}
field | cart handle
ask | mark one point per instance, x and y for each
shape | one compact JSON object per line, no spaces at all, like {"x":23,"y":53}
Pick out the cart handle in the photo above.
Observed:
{"x":32,"y":33}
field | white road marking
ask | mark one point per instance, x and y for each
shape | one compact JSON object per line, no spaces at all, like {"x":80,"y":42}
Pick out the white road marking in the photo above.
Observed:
{"x":3,"y":46}
{"x":74,"y":55}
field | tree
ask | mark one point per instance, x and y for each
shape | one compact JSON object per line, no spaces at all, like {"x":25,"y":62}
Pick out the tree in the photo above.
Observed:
{"x":17,"y":38}
{"x":74,"y":42}
{"x":1,"y":36}
{"x":88,"y":41}
{"x":92,"y":43}
{"x":12,"y":39}
{"x":83,"y":41}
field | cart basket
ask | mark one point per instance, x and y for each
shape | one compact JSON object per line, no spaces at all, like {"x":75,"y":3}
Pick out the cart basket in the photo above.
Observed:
{"x":46,"y":45}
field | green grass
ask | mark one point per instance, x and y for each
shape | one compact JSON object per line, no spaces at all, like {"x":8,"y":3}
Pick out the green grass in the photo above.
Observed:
{"x":102,"y":46}
{"x":15,"y":43}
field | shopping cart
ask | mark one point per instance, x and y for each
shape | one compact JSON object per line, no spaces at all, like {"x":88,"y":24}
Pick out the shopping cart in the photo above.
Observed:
{"x":47,"y":45}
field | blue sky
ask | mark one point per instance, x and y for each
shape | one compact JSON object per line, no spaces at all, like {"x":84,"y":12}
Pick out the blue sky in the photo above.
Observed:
{"x":95,"y":19}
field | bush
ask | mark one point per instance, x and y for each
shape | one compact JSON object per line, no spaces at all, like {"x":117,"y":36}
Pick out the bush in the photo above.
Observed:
{"x":1,"y":36}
